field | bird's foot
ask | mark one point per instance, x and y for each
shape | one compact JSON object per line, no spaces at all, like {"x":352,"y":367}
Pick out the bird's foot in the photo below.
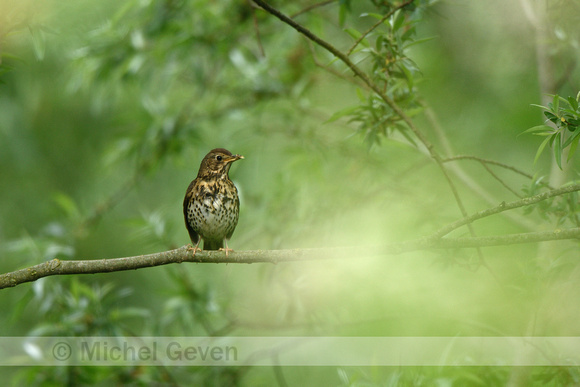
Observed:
{"x":195,"y":249}
{"x":226,"y":250}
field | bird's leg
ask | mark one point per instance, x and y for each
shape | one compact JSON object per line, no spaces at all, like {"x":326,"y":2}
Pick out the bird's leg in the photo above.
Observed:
{"x":226,"y":247}
{"x":195,"y":248}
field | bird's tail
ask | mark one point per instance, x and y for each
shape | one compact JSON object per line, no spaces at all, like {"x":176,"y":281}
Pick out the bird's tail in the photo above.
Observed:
{"x":213,"y":245}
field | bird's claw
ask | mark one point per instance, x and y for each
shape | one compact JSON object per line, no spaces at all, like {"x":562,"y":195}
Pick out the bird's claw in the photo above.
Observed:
{"x":195,"y":249}
{"x":226,"y":250}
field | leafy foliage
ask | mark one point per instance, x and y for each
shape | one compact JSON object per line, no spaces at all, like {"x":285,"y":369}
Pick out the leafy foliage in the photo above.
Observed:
{"x":564,"y":115}
{"x":391,"y":69}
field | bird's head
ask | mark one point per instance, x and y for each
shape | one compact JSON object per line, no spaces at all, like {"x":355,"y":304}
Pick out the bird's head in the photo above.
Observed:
{"x":217,"y":162}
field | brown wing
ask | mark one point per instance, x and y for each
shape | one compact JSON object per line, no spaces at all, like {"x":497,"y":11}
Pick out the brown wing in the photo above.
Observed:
{"x":188,"y":197}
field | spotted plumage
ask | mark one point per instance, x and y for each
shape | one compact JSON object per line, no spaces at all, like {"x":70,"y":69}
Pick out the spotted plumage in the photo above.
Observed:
{"x":211,"y":205}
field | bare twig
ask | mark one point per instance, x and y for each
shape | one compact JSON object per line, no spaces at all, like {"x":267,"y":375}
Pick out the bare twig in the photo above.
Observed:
{"x":311,"y":7}
{"x":484,"y":163}
{"x":487,"y":161}
{"x":500,"y":180}
{"x":257,"y":29}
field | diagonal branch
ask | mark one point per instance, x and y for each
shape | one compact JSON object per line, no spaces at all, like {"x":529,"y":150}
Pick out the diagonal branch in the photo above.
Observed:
{"x":506,"y":206}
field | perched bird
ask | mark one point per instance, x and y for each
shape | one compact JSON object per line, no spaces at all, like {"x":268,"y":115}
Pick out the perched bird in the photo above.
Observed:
{"x":211,"y":205}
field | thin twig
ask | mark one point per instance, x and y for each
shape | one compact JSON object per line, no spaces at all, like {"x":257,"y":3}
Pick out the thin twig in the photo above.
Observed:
{"x":505,"y":207}
{"x":257,"y":29}
{"x":311,"y":7}
{"x":487,"y":161}
{"x":500,"y":180}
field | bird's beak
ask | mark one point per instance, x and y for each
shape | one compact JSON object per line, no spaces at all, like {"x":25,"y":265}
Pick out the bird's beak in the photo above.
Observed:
{"x":234,"y":158}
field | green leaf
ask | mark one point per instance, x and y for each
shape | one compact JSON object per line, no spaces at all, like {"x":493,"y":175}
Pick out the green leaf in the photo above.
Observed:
{"x":573,"y":103}
{"x":405,"y":132}
{"x":356,"y":34}
{"x":353,"y":32}
{"x":415,"y":111}
{"x":550,"y":116}
{"x":399,"y":20}
{"x":541,"y":148}
{"x":540,"y":106}
{"x":343,"y":10}
{"x":67,"y":204}
{"x":552,"y":139}
{"x":360,"y":94}
{"x":556,"y":103}
{"x":379,"y":42}
{"x":569,"y":111}
{"x":539,"y":128}
{"x":341,"y":113}
{"x":408,"y":76}
{"x":558,"y":149}
{"x":418,"y":41}
{"x":377,"y":16}
{"x":571,"y":138}
{"x":408,"y":34}
{"x":573,"y":146}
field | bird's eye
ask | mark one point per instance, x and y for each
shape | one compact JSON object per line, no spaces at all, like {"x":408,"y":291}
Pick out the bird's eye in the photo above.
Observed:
{"x":219,"y":158}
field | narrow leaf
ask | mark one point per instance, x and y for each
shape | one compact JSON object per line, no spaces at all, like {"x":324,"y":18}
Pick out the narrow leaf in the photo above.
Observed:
{"x":341,"y":113}
{"x":540,"y":106}
{"x":573,"y":103}
{"x":353,"y":32}
{"x":556,"y":103}
{"x":573,"y":147}
{"x":418,"y":41}
{"x":360,"y":95}
{"x":399,"y":20}
{"x":571,"y":138}
{"x":541,"y":149}
{"x":550,"y":116}
{"x":558,"y":149}
{"x":538,"y":128}
{"x":377,"y":16}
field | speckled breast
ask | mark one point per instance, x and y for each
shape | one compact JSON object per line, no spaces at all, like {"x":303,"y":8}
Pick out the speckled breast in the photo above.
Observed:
{"x":214,"y":215}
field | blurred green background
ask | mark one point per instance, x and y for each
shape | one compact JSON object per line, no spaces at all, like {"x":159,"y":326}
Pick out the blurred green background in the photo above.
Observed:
{"x":107,"y":108}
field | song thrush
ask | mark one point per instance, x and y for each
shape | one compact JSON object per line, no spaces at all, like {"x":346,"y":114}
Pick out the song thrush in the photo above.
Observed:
{"x":211,"y":205}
